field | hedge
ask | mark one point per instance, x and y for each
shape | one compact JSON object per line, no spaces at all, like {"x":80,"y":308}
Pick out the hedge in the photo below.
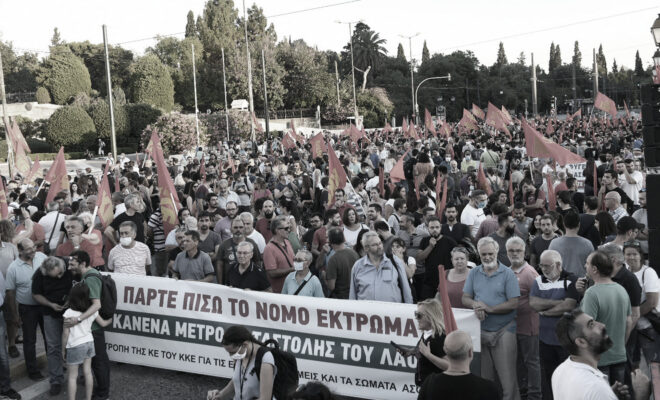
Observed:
{"x":66,"y":76}
{"x":151,"y":83}
{"x":140,"y":116}
{"x":72,"y":155}
{"x":100,"y":113}
{"x":72,"y":128}
{"x":42,"y":95}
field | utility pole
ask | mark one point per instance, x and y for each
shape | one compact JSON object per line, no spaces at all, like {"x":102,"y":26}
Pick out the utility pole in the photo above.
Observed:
{"x":5,"y":118}
{"x":595,"y":76}
{"x":535,"y":109}
{"x":412,"y":78}
{"x":249,"y":71}
{"x":224,"y":83}
{"x":263,"y":66}
{"x":195,"y":91}
{"x":467,"y":95}
{"x":112,"y":111}
{"x":350,"y":38}
{"x":337,"y":78}
{"x":574,"y":87}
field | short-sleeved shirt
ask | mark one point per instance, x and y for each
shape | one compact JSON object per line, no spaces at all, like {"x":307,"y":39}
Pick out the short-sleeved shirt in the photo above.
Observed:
{"x":499,"y":287}
{"x":227,"y":254}
{"x":223,"y":228}
{"x":339,"y":268}
{"x":137,"y":218}
{"x":609,"y":304}
{"x":250,"y":386}
{"x":574,"y":252}
{"x":648,"y":280}
{"x":562,"y":288}
{"x":628,"y":280}
{"x":95,"y":251}
{"x":440,"y":255}
{"x":54,"y":290}
{"x":311,"y":289}
{"x":383,"y":282}
{"x":95,"y":287}
{"x":277,"y":257}
{"x":208,"y":245}
{"x":8,"y":253}
{"x":539,"y":245}
{"x":527,"y":320}
{"x":38,"y":234}
{"x":156,"y":225}
{"x":129,"y":260}
{"x":193,"y":268}
{"x":19,"y":278}
{"x":579,"y":381}
{"x":472,"y":217}
{"x":253,"y":278}
{"x":263,"y":226}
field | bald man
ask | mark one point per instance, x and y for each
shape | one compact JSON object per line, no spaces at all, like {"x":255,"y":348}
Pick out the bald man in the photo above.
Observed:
{"x":614,"y":207}
{"x":457,"y":382}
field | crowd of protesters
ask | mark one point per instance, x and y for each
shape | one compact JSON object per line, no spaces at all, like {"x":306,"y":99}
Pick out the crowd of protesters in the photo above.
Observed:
{"x":265,"y":216}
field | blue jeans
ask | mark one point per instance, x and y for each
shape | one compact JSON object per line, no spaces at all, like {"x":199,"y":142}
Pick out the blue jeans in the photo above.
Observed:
{"x":31,"y":318}
{"x":53,"y":327}
{"x":5,"y":382}
{"x":529,"y":366}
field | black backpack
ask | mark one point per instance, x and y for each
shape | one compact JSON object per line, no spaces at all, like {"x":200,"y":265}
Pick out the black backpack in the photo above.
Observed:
{"x":286,"y":380}
{"x":108,"y":295}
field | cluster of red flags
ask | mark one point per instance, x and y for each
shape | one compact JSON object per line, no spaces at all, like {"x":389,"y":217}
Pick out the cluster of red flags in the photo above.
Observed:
{"x":336,"y":175}
{"x":496,"y":119}
{"x":539,"y":146}
{"x":57,"y":177}
{"x":428,"y":122}
{"x":478,"y":112}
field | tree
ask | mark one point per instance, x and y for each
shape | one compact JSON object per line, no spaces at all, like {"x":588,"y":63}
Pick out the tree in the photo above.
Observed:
{"x":176,"y":131}
{"x":151,"y":83}
{"x":368,"y":49}
{"x":93,"y":55}
{"x":307,"y":81}
{"x":140,"y":116}
{"x":71,"y":127}
{"x":42,"y":95}
{"x":20,"y":70}
{"x":601,"y":62}
{"x":639,"y":68}
{"x":577,"y":55}
{"x":426,"y":56}
{"x":501,"y":56}
{"x":557,"y":56}
{"x":615,"y":68}
{"x":521,"y":58}
{"x":64,"y":75}
{"x":551,"y":62}
{"x":190,"y":25}
{"x":375,"y":106}
{"x":400,"y":53}
{"x":56,"y":40}
{"x":99,"y":111}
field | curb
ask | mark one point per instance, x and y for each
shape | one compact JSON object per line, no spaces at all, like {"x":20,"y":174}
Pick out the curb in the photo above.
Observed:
{"x":18,"y":369}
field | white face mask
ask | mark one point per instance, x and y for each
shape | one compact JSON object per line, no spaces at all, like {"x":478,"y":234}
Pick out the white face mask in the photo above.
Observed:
{"x":125,"y":241}
{"x":238,"y":355}
{"x":298,"y":266}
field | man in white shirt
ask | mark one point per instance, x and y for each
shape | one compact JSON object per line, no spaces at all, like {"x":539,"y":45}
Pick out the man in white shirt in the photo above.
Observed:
{"x":473,"y":213}
{"x":251,"y":233}
{"x":630,"y":181}
{"x":52,"y":224}
{"x":129,"y":256}
{"x":578,"y":378}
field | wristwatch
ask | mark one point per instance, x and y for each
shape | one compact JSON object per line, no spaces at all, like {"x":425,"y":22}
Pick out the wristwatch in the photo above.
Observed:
{"x":78,"y":319}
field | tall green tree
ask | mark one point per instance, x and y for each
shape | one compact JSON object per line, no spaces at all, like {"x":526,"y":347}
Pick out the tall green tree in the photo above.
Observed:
{"x":56,"y":39}
{"x":426,"y":56}
{"x":20,"y":70}
{"x":522,"y":58}
{"x":191,"y":30}
{"x":93,"y":55}
{"x":577,"y":55}
{"x":639,"y":68}
{"x":151,"y":83}
{"x":501,"y":56}
{"x":307,"y":81}
{"x":400,"y":53}
{"x":601,"y":61}
{"x":551,"y":59}
{"x":615,"y":68}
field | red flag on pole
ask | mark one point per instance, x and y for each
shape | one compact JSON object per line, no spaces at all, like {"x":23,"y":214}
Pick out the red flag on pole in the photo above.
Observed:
{"x":17,"y":137}
{"x":511,"y":198}
{"x":396,"y":173}
{"x":445,"y":129}
{"x":541,"y":147}
{"x":625,"y":107}
{"x":381,"y":181}
{"x":387,"y":128}
{"x":483,"y":181}
{"x":257,"y":124}
{"x":478,"y":112}
{"x":578,"y":113}
{"x":288,"y":142}
{"x":441,"y":201}
{"x":4,"y":208}
{"x":57,"y":177}
{"x":606,"y":104}
{"x":35,"y":171}
{"x":428,"y":122}
{"x":336,"y":174}
{"x":552,"y":198}
{"x":496,"y":120}
{"x":22,"y":160}
{"x":169,"y":200}
{"x":404,"y":126}
{"x":506,"y":115}
{"x":104,"y":199}
{"x":448,"y":314}
{"x":318,"y":145}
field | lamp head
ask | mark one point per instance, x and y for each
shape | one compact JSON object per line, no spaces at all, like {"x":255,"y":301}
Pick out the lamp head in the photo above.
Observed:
{"x":655,"y":30}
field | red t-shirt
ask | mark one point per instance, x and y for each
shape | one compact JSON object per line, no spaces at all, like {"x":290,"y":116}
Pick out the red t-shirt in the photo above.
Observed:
{"x":274,"y":259}
{"x":95,"y":251}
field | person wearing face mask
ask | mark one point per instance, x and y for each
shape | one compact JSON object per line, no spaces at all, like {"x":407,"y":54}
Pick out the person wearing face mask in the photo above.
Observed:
{"x":435,"y":251}
{"x":129,"y":256}
{"x":473,"y":213}
{"x":245,"y":350}
{"x":468,"y":162}
{"x":301,"y":282}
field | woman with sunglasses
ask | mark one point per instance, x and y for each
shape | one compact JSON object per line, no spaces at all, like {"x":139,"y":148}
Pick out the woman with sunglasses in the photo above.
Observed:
{"x":429,"y":350}
{"x":648,"y":339}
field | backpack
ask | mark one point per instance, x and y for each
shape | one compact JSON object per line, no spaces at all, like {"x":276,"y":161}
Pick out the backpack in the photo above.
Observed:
{"x":108,"y":295}
{"x":286,"y":379}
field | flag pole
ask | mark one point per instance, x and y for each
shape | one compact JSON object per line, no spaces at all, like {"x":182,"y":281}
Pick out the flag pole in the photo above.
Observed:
{"x":91,"y":227}
{"x":174,"y":203}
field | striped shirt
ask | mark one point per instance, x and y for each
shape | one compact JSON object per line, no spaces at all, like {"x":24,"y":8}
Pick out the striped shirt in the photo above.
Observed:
{"x":156,"y":225}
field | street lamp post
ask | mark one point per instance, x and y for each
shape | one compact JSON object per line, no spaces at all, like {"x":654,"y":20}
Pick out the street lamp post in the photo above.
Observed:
{"x":448,"y":77}
{"x":412,"y":80}
{"x":350,"y":38}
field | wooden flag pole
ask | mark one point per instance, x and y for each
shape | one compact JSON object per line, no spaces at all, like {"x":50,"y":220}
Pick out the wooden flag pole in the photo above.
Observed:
{"x":174,"y":204}
{"x":40,"y":186}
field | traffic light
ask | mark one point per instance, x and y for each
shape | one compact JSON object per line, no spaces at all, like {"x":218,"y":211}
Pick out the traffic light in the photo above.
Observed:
{"x":651,"y":124}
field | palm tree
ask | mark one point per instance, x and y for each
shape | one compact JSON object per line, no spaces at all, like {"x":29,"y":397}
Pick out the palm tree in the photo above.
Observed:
{"x":369,"y":49}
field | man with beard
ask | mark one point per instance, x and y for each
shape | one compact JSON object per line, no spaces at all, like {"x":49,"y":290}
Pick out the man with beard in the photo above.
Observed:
{"x":320,"y":239}
{"x":542,"y":242}
{"x":522,"y":221}
{"x":608,"y":184}
{"x":577,"y":378}
{"x":209,"y":241}
{"x":473,"y":213}
{"x":492,"y":291}
{"x":435,"y":251}
{"x":263,"y":223}
{"x":505,"y":231}
{"x":453,"y":228}
{"x":223,"y":227}
{"x":608,"y":303}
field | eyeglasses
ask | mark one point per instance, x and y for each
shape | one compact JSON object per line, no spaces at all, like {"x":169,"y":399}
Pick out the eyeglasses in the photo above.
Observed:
{"x":286,"y":228}
{"x":299,"y":260}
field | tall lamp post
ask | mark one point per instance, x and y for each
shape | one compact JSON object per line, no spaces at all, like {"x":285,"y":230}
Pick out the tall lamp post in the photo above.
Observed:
{"x":350,"y":38}
{"x":412,"y":80}
{"x":447,"y":77}
{"x":655,"y":30}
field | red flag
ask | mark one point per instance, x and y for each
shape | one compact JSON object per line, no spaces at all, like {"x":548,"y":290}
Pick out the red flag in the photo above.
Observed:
{"x":561,"y":135}
{"x":336,"y":174}
{"x":606,"y":104}
{"x":35,"y":171}
{"x":428,"y":122}
{"x":354,"y":133}
{"x":539,"y":146}
{"x":412,"y":132}
{"x":22,"y":161}
{"x":318,"y":145}
{"x":550,"y":129}
{"x":468,"y":123}
{"x":104,"y":199}
{"x":445,"y":129}
{"x":381,"y":181}
{"x":552,"y":198}
{"x":483,"y":181}
{"x":57,"y":177}
{"x":387,"y":128}
{"x":396,"y":173}
{"x":496,"y":120}
{"x":625,"y":107}
{"x":257,"y":125}
{"x":169,"y":200}
{"x":478,"y":112}
{"x":288,"y":142}
{"x":404,"y":126}
{"x":441,"y":199}
{"x":511,"y":198}
{"x":578,"y":113}
{"x":17,"y":137}
{"x":4,"y":208}
{"x":448,"y":314}
{"x":506,"y":115}
{"x":148,"y":152}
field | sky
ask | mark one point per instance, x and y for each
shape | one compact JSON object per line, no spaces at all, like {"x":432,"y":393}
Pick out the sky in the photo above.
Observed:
{"x":479,"y":25}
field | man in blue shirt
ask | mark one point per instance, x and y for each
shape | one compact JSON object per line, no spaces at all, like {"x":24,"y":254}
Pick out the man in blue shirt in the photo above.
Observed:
{"x":492,"y":290}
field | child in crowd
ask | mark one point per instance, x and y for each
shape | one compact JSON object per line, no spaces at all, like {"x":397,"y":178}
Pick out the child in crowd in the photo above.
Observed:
{"x":77,"y":341}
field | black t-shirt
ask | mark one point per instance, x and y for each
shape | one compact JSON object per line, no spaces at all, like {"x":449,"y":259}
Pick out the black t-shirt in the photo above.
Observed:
{"x":54,"y":290}
{"x":254,"y":278}
{"x":425,"y":367}
{"x":458,"y":387}
{"x":629,"y":282}
{"x":588,"y":229}
{"x":458,"y":232}
{"x":439,"y":255}
{"x":137,"y":218}
{"x":539,"y":245}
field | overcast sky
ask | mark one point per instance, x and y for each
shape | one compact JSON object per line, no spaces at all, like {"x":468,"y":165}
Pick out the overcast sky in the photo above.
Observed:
{"x":623,"y":27}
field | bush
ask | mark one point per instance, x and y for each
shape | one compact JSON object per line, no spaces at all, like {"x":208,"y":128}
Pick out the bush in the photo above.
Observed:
{"x":81,"y":100}
{"x":39,"y":146}
{"x":71,"y":127}
{"x":176,"y":131}
{"x":215,"y":125}
{"x":375,"y":106}
{"x":118,"y":97}
{"x":139,"y":116}
{"x":99,"y":110}
{"x":151,"y":83}
{"x":28,"y":127}
{"x":42,"y":156}
{"x":65,"y":75}
{"x":43,"y":97}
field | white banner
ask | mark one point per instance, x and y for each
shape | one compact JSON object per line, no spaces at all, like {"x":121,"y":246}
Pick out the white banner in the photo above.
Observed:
{"x":345,"y":344}
{"x":577,"y":171}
